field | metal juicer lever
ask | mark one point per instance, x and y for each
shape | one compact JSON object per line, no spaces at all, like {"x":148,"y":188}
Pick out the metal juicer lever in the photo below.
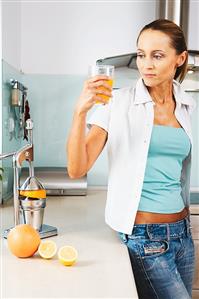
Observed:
{"x":25,"y":153}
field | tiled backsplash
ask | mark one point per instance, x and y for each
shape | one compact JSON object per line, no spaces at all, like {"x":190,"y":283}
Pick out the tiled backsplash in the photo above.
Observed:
{"x":11,"y":141}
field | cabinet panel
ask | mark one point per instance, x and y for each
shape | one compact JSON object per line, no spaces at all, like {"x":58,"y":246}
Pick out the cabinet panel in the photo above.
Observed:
{"x":195,"y":294}
{"x":195,"y":234}
{"x":196,"y":275}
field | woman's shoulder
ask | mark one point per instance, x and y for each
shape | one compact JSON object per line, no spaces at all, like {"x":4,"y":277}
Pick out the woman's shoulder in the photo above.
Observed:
{"x":183,"y":96}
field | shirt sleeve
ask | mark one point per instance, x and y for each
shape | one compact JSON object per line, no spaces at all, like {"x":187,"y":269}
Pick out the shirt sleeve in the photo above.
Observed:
{"x":100,"y":116}
{"x":192,"y":107}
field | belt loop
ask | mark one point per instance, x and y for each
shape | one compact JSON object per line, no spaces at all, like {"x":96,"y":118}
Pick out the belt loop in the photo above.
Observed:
{"x":187,"y":223}
{"x":125,"y":238}
{"x":168,"y":232}
{"x":147,"y":230}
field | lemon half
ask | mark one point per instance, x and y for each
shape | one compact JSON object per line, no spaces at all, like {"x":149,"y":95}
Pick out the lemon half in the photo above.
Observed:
{"x":47,"y":249}
{"x":67,"y":255}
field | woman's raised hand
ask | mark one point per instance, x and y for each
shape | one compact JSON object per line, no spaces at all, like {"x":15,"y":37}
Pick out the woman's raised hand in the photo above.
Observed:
{"x":93,"y":88}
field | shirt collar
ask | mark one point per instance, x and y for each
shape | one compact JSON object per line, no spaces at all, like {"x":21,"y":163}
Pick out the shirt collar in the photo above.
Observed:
{"x":142,"y":95}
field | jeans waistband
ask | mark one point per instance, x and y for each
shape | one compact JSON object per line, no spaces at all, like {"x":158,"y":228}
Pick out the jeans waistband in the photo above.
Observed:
{"x":160,"y":231}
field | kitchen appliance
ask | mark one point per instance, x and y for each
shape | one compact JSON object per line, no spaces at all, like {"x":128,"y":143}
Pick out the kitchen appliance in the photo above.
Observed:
{"x":56,"y":181}
{"x":18,"y":89}
{"x":30,"y":198}
{"x":20,"y":103}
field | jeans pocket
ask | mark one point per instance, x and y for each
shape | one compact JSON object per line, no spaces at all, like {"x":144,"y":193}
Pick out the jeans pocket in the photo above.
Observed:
{"x":152,"y":248}
{"x":152,"y":253}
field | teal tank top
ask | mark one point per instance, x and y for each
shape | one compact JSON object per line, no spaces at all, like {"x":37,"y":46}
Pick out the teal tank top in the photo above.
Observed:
{"x":161,"y":191}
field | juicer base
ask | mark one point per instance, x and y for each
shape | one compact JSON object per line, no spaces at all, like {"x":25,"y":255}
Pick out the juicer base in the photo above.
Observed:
{"x":47,"y":231}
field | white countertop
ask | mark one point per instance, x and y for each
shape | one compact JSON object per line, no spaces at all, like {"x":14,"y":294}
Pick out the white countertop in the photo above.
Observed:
{"x":103,"y":268}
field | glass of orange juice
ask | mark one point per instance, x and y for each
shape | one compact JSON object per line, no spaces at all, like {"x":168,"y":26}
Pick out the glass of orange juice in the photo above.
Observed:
{"x":100,"y":69}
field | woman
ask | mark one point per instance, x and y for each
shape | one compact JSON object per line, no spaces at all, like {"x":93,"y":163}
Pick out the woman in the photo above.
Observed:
{"x":148,"y":133}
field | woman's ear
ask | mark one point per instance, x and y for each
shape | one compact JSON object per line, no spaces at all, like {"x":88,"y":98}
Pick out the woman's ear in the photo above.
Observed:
{"x":181,"y":58}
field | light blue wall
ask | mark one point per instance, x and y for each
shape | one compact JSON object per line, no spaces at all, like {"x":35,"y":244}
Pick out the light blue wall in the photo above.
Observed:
{"x":9,"y":143}
{"x":52,"y":100}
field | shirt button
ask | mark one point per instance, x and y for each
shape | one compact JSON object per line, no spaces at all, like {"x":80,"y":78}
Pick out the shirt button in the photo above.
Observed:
{"x":145,"y":141}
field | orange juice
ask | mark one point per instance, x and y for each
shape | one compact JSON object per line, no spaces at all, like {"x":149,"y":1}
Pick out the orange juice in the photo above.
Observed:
{"x":105,"y":97}
{"x":33,"y":193}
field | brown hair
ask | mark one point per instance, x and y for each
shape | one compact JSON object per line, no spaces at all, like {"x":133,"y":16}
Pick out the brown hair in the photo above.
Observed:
{"x":177,"y":41}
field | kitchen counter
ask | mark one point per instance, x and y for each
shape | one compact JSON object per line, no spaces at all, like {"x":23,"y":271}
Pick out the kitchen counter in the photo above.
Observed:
{"x":102,"y":270}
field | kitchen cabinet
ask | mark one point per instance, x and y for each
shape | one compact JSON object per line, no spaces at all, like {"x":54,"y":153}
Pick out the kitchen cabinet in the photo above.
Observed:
{"x":195,"y":233}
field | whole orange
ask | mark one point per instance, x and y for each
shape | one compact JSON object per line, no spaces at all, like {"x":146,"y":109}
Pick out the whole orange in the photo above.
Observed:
{"x":23,"y":240}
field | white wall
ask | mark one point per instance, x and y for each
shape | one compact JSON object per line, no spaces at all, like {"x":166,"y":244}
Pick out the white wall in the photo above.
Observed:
{"x":64,"y":37}
{"x":57,"y":37}
{"x":11,"y":33}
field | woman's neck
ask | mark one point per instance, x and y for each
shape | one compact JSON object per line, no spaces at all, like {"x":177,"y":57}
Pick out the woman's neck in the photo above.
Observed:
{"x":162,"y":94}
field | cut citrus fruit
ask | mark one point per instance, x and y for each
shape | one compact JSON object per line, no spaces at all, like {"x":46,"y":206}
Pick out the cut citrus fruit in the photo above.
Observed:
{"x":67,"y":255}
{"x":47,"y":249}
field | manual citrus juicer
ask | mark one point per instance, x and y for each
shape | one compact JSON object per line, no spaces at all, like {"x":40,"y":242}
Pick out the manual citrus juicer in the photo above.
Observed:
{"x":30,"y":198}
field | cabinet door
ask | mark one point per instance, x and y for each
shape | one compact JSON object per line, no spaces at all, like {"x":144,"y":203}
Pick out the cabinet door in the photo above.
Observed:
{"x":196,"y":275}
{"x":195,"y":234}
{"x":195,"y":294}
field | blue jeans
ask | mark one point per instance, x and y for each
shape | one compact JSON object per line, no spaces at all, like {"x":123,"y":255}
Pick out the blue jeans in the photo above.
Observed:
{"x":162,"y":259}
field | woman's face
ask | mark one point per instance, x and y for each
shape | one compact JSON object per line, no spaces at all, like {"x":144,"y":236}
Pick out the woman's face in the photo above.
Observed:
{"x":156,"y":59}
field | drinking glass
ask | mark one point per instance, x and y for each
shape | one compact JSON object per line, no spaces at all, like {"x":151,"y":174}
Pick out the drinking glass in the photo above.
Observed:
{"x":107,"y":70}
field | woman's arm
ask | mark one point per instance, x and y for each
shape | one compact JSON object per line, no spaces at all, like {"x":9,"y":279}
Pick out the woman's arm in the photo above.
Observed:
{"x":82,"y":149}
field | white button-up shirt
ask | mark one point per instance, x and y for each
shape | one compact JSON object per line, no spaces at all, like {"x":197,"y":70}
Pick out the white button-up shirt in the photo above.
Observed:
{"x":128,"y":119}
